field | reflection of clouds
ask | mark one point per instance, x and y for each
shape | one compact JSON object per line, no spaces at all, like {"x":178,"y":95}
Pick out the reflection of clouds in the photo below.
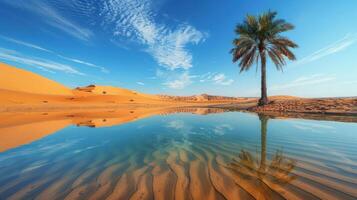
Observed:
{"x":222,"y":129}
{"x":314,"y":127}
{"x":86,"y":149}
{"x":34,"y":166}
{"x":176,"y":124}
{"x":304,"y":128}
{"x":56,"y":147}
{"x":141,"y":126}
{"x":43,"y":149}
{"x":181,"y":127}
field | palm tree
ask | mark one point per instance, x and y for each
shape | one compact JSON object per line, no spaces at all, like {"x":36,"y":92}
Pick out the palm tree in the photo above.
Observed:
{"x":259,"y":37}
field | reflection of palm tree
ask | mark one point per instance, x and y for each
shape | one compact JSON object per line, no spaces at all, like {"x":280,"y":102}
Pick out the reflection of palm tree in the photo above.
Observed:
{"x":249,"y":166}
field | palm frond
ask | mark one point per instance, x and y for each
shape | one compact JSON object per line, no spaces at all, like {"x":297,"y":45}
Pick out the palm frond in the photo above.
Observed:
{"x":248,"y":59}
{"x":277,"y":59}
{"x":260,"y":35}
{"x":283,"y":41}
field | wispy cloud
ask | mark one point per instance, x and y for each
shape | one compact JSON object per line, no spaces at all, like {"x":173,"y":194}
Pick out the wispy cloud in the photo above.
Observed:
{"x":207,"y":77}
{"x":34,"y":46}
{"x":140,"y":83}
{"x":333,"y":48}
{"x":52,"y":17}
{"x":216,"y":78}
{"x":136,"y":20}
{"x":102,"y":69}
{"x":304,"y":81}
{"x":42,"y":64}
{"x":221,"y":79}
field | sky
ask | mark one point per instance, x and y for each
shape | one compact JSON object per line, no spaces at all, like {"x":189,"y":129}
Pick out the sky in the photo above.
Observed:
{"x":178,"y":47}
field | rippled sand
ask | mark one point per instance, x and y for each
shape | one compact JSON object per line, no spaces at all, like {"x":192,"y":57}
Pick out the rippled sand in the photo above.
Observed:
{"x":205,"y":176}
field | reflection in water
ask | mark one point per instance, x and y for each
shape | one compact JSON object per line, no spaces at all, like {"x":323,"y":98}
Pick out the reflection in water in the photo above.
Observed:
{"x":21,"y":128}
{"x":258,"y":172}
{"x":179,"y":156}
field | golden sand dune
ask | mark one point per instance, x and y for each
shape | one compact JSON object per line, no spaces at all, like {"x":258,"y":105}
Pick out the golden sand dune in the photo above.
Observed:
{"x":24,"y":90}
{"x":15,"y":79}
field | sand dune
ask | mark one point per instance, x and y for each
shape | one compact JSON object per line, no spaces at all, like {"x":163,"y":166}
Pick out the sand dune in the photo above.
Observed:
{"x":21,"y":89}
{"x":14,"y":79}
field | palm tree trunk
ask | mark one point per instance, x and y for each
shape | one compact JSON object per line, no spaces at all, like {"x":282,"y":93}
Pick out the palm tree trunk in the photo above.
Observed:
{"x":264,"y":97}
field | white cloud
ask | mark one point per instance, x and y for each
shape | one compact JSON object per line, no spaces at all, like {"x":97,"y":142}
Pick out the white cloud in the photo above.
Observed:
{"x":333,"y":48}
{"x":43,"y":64}
{"x":305,"y":80}
{"x":52,"y":17}
{"x":181,"y":82}
{"x":136,"y":20}
{"x":140,"y":83}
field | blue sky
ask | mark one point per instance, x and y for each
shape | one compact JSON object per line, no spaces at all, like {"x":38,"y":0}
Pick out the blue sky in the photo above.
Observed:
{"x":178,"y":47}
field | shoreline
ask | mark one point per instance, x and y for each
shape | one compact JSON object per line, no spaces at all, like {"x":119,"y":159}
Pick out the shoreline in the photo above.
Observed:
{"x":331,"y":109}
{"x":43,"y":120}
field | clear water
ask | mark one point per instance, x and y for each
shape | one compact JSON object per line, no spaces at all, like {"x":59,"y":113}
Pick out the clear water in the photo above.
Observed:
{"x":229,"y":155}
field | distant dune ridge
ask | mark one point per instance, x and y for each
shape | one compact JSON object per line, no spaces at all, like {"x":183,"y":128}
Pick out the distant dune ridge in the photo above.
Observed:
{"x":201,"y":97}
